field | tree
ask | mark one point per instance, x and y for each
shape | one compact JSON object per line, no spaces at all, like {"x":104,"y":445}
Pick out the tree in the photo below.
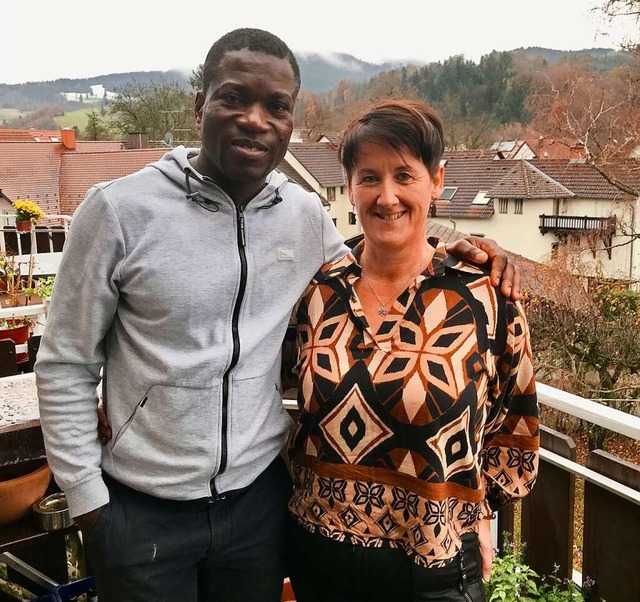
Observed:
{"x":97,"y":128}
{"x":155,"y":109}
{"x":582,"y":342}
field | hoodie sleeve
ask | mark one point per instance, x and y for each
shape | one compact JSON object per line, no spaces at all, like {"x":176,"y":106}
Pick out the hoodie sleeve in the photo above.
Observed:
{"x":511,"y":438}
{"x":332,"y":241}
{"x":72,"y":350}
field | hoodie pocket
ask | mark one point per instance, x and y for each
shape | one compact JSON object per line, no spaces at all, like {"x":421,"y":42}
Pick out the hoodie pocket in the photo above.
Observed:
{"x":170,"y":427}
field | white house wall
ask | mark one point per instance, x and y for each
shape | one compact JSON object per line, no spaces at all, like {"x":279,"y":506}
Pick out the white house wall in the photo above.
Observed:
{"x":338,"y":209}
{"x":520,"y":234}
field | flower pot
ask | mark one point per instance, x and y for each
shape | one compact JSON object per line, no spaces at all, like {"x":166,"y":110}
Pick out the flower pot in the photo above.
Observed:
{"x":18,"y":334}
{"x":20,"y":487}
{"x":23,"y":225}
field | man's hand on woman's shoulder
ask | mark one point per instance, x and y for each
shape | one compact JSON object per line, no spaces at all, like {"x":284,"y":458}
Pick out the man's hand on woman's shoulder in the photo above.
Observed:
{"x":478,"y":250}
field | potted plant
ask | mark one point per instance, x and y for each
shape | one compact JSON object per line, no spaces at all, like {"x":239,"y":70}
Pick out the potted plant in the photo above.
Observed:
{"x":27,"y":213}
{"x":19,"y":291}
{"x":44,"y":289}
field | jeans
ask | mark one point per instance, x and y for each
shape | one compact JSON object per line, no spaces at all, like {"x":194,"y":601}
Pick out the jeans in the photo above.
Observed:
{"x":325,"y":570}
{"x":144,"y":548}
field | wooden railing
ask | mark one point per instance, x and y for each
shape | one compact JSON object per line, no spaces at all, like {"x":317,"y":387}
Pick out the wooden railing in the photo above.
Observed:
{"x":571,"y":223}
{"x":611,"y":515}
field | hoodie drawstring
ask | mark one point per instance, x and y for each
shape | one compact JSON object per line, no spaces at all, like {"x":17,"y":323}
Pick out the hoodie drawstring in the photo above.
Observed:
{"x":211,"y":205}
{"x":273,"y":202}
{"x":197,"y":197}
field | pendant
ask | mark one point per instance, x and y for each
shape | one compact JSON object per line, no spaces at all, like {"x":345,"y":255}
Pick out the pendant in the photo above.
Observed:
{"x":382,"y":311}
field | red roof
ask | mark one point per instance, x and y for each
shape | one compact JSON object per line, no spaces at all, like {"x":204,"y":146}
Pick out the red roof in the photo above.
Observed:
{"x":80,"y":171}
{"x":31,"y":171}
{"x":320,"y":159}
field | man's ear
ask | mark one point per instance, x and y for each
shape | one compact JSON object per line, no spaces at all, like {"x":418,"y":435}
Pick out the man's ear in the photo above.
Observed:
{"x":200,"y":96}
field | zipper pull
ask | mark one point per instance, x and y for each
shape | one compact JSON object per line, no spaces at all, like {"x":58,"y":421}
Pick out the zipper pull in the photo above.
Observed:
{"x":241,"y":226}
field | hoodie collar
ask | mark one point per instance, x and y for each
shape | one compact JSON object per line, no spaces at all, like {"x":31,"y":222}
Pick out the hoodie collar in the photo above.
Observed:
{"x":175,"y":166}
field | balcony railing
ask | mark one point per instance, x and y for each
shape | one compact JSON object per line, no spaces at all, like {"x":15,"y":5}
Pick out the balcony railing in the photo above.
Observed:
{"x":40,"y":239}
{"x":575,"y":223}
{"x":611,"y":504}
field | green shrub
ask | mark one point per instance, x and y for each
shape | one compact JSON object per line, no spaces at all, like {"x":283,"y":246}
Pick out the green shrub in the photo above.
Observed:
{"x":512,"y":579}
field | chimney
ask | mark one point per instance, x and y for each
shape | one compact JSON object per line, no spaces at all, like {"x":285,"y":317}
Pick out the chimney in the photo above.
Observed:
{"x":138,"y":140}
{"x":68,"y":137}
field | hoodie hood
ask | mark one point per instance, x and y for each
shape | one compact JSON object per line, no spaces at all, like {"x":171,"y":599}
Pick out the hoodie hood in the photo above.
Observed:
{"x":203,"y":190}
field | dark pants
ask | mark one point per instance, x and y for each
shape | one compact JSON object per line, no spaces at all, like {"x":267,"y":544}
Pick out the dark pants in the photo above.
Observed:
{"x":148,"y":549}
{"x":324,"y":570}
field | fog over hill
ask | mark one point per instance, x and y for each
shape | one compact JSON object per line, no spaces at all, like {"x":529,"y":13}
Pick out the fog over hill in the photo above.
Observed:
{"x":319,"y":72}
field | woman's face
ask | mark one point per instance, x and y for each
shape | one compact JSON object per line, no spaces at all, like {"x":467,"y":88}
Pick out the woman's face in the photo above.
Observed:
{"x":391,"y":193}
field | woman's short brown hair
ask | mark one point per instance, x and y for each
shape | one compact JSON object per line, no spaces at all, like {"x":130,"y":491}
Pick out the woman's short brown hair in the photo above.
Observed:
{"x":400,"y":123}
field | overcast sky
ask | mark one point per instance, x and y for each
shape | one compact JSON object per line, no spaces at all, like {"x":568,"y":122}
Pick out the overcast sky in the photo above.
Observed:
{"x":45,"y":39}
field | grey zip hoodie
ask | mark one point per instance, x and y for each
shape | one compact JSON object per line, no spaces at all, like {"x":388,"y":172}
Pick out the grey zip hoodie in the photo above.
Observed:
{"x":183,"y":300}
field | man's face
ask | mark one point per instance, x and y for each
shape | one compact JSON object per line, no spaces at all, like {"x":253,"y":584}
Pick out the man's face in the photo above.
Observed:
{"x":245,"y":119}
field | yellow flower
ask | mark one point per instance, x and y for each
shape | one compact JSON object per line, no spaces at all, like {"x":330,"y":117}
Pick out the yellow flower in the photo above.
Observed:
{"x":27,"y":210}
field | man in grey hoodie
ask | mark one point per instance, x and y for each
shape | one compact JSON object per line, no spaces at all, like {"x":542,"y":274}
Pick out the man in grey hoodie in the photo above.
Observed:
{"x":174,"y":293}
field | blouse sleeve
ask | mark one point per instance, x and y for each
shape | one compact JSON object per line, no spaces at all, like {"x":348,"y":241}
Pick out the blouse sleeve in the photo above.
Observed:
{"x":511,"y":437}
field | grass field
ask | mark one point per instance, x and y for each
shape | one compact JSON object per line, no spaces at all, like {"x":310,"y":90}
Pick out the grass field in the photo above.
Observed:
{"x":9,"y":114}
{"x":75,"y":118}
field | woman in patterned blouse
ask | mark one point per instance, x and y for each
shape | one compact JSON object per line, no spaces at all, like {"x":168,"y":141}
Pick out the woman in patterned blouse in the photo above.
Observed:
{"x":416,"y":389}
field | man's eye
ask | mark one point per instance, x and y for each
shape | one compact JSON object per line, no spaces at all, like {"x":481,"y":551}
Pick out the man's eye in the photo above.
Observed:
{"x":280,"y":107}
{"x":231,"y":99}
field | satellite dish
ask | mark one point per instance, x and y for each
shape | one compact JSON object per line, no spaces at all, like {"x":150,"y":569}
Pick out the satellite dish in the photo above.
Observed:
{"x":168,"y":139}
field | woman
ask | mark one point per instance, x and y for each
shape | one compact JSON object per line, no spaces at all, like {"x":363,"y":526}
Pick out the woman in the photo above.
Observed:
{"x":416,"y":389}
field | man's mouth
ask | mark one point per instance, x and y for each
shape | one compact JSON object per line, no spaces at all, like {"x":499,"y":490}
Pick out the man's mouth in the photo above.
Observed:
{"x":249,"y":145}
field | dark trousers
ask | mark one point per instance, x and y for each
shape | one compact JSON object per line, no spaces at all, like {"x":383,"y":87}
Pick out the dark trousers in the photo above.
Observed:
{"x":324,"y":570}
{"x":148,"y":549}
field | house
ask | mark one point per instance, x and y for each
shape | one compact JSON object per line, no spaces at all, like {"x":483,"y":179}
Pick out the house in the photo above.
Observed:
{"x":544,"y":209}
{"x":55,"y":171}
{"x":317,"y":164}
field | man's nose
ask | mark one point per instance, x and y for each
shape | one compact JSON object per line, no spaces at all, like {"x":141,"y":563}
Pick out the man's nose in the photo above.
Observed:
{"x":255,"y":117}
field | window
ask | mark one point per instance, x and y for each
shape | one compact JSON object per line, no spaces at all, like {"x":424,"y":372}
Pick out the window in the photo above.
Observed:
{"x":481,"y":198}
{"x":448,"y":192}
{"x":331,"y":194}
{"x":335,"y":221}
{"x":503,"y":206}
{"x":341,"y":189}
{"x":352,"y":218}
{"x":517,"y":206}
{"x":478,"y":234}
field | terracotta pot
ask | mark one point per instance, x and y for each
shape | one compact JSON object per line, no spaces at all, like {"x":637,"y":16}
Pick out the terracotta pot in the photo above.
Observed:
{"x":19,"y":335}
{"x":23,"y":225}
{"x":20,"y":488}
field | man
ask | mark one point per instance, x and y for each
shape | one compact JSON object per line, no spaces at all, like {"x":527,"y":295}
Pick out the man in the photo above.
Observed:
{"x":178,"y":282}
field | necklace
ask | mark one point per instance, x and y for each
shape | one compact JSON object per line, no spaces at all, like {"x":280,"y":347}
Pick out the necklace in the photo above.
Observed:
{"x":383,"y":311}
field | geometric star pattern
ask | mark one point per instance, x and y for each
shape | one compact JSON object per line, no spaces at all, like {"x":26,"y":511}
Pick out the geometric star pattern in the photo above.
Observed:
{"x":406,"y":433}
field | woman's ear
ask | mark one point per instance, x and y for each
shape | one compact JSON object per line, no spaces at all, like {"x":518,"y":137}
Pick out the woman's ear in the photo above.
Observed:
{"x":438,"y":184}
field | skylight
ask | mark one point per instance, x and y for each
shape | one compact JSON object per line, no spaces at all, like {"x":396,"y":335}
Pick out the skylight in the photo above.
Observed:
{"x":448,"y":192}
{"x":481,"y":198}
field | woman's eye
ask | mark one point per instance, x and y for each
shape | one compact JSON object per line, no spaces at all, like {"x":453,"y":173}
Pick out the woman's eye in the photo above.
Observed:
{"x":368,"y":180}
{"x":404,"y":177}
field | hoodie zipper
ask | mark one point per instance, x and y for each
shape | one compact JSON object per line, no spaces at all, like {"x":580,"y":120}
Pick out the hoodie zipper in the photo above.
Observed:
{"x":235,"y":334}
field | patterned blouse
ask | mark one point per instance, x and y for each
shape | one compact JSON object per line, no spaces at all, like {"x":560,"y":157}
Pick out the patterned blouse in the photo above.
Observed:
{"x":408,"y":436}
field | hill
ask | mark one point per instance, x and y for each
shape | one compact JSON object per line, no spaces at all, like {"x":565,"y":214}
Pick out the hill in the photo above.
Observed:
{"x":601,"y":59}
{"x":319,"y":73}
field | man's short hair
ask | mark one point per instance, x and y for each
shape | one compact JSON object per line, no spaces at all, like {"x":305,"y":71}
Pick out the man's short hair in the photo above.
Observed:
{"x":255,"y":40}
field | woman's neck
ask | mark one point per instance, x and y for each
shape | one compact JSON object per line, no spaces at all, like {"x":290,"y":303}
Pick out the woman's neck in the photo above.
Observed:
{"x":388,"y":265}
